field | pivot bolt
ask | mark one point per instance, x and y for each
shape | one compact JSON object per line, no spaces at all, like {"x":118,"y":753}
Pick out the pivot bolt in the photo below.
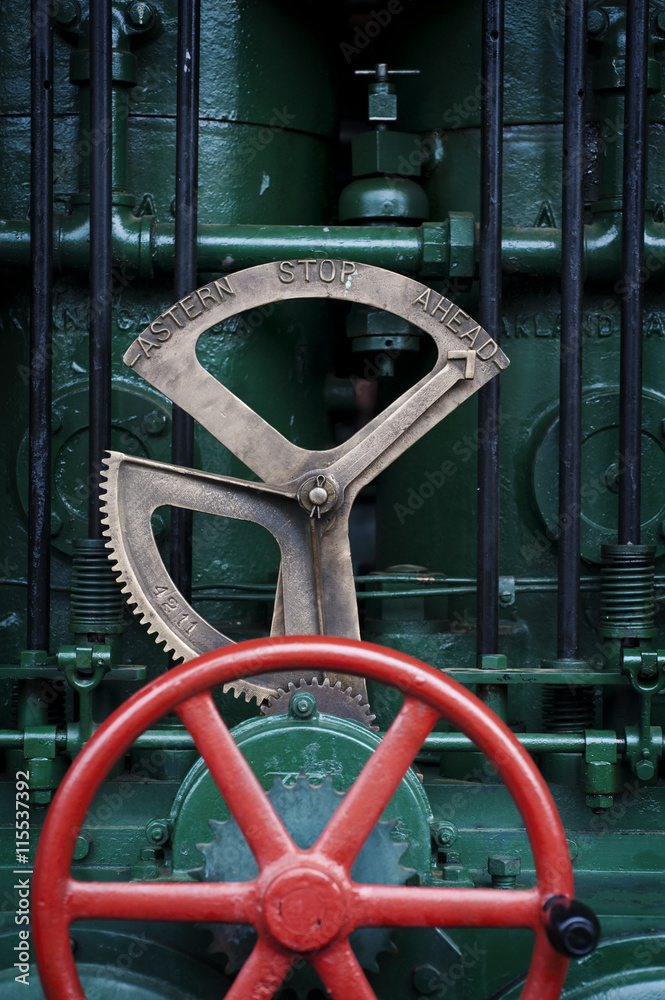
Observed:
{"x":504,"y":870}
{"x":318,"y":495}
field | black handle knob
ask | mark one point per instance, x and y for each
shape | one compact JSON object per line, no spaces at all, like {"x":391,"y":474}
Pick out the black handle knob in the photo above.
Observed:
{"x":572,"y":928}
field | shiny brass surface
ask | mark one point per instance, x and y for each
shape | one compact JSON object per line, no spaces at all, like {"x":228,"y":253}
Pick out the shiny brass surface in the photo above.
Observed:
{"x":315,"y":593}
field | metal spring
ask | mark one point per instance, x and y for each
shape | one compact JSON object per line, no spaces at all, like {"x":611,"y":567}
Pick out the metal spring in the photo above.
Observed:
{"x":568,"y":709}
{"x":96,"y":601}
{"x":627,"y":600}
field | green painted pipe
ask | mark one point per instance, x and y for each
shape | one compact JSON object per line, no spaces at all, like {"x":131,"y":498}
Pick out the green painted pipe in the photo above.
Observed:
{"x":141,"y":245}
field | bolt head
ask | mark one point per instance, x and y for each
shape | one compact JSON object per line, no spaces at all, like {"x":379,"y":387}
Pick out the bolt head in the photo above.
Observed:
{"x":451,"y":857}
{"x":68,"y":13}
{"x":453,"y":873}
{"x":645,"y":770}
{"x":82,"y":847}
{"x":154,"y":423}
{"x":140,"y":15}
{"x":318,"y":495}
{"x":503,"y":865}
{"x":444,"y":833}
{"x":158,"y":832}
{"x":302,"y":705}
{"x":596,"y":22}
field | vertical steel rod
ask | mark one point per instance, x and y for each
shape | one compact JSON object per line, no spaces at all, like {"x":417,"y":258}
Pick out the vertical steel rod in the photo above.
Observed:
{"x":100,"y":251}
{"x":572,"y":285}
{"x":187,"y":159}
{"x":41,"y":302}
{"x":634,"y":173}
{"x":491,"y":141}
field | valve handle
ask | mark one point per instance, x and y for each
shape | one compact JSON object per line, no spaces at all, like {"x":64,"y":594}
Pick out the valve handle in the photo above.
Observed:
{"x":304,"y":901}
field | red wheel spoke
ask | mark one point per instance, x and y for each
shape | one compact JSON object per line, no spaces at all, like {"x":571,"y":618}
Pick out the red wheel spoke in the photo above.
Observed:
{"x":262,"y":974}
{"x":404,"y":906}
{"x":240,"y":788}
{"x":362,"y":806}
{"x":341,"y":974}
{"x":197,"y":901}
{"x":546,"y":974}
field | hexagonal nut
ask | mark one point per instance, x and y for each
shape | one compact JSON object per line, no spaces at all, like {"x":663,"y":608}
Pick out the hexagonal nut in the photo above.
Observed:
{"x":454,"y":873}
{"x":158,"y":831}
{"x":504,"y":865}
{"x":444,"y":833}
{"x":645,"y":770}
{"x":435,"y":249}
{"x":382,"y":106}
{"x":383,"y":152}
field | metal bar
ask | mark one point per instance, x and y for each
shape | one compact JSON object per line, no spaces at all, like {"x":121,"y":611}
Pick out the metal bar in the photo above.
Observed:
{"x":533,"y":742}
{"x":634,"y":182}
{"x":41,"y":303}
{"x":100,"y":252}
{"x":572,"y":308}
{"x":491,"y":130}
{"x":187,"y":140}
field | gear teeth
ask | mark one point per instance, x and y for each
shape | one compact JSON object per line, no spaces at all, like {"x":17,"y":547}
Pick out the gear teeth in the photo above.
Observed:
{"x":335,"y":699}
{"x":239,"y":692}
{"x":111,"y":531}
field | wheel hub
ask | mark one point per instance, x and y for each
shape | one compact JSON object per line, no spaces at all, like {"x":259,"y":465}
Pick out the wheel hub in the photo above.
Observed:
{"x":304,"y":909}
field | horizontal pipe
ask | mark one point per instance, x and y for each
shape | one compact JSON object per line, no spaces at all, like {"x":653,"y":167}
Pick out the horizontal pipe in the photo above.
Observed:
{"x":222,"y":247}
{"x":532,"y":742}
{"x":180,"y":739}
{"x":140,"y":245}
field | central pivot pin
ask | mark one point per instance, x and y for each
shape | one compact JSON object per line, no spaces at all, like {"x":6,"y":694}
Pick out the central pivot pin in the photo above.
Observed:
{"x":304,"y":909}
{"x":317,"y":495}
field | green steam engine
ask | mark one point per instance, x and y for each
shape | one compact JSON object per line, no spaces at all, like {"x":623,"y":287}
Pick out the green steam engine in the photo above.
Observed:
{"x":332,"y":507}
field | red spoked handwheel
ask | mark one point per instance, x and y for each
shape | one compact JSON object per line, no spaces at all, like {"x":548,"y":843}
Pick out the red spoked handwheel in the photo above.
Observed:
{"x":303,"y":902}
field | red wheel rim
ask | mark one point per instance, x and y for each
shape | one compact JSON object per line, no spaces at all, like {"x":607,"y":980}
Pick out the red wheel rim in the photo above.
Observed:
{"x":302,"y":902}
